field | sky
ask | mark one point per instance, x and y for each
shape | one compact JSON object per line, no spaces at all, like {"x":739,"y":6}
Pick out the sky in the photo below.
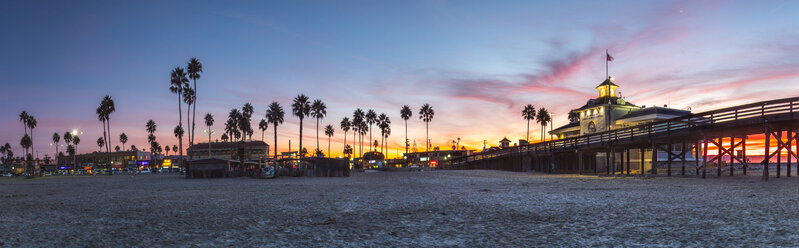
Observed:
{"x":476,"y":62}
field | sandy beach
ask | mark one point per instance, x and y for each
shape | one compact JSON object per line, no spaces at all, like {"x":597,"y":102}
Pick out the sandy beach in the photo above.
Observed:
{"x":431,"y":208}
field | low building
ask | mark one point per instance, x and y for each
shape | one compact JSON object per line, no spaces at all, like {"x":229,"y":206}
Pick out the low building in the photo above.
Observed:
{"x":133,"y":159}
{"x":251,"y":150}
{"x":432,"y":158}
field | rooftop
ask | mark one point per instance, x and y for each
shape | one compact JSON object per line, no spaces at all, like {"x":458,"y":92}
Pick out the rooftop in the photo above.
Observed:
{"x":655,"y":110}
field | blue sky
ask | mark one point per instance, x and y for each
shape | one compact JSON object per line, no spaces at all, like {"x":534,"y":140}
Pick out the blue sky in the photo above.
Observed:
{"x":476,"y":62}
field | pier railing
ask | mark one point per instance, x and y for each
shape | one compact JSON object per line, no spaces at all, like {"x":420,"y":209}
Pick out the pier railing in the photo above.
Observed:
{"x":693,"y":122}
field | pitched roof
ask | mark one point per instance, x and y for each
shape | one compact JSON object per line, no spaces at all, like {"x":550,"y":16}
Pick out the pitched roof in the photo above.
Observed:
{"x":607,"y":82}
{"x":570,"y":125}
{"x":228,"y":145}
{"x":504,"y":140}
{"x":655,"y":110}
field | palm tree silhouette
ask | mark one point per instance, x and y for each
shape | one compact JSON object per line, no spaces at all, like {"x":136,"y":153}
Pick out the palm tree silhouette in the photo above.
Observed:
{"x":263,"y":125}
{"x":150,"y":128}
{"x":188,"y":97}
{"x":245,"y":125}
{"x":209,"y":121}
{"x":383,"y":123}
{"x":76,"y":142}
{"x":224,"y":137}
{"x":56,"y":139}
{"x":275,"y":114}
{"x":31,"y":125}
{"x":167,"y":150}
{"x":178,"y":133}
{"x":329,"y":132}
{"x":371,"y":118}
{"x":543,"y":118}
{"x":123,"y":138}
{"x":406,"y":114}
{"x":107,"y":107}
{"x":358,"y":123}
{"x":426,"y":113}
{"x":24,"y":117}
{"x":301,"y":108}
{"x":68,"y":139}
{"x":528,"y":113}
{"x":174,"y":148}
{"x":318,"y":112}
{"x":178,"y":83}
{"x":345,"y":126}
{"x":194,"y":69}
{"x":101,"y":144}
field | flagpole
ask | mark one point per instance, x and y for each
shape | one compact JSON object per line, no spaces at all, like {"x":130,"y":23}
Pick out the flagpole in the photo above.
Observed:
{"x":606,"y":64}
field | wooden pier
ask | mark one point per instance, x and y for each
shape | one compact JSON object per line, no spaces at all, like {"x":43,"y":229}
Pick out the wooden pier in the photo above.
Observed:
{"x":610,"y":152}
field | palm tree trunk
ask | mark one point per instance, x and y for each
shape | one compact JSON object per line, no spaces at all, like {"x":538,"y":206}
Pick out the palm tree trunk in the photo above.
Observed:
{"x":427,"y":138}
{"x":209,"y":141}
{"x":328,"y":146}
{"x":180,"y":124}
{"x":345,"y":140}
{"x":406,"y":136}
{"x":528,"y":130}
{"x":370,"y":136}
{"x":317,"y":133}
{"x":275,"y":144}
{"x":194,"y":112}
{"x":300,"y":150}
{"x":108,"y":143}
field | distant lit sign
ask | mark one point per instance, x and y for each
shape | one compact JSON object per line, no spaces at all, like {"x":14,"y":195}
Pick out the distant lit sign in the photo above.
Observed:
{"x":144,"y":162}
{"x":167,"y":162}
{"x":433,"y":163}
{"x":424,"y":159}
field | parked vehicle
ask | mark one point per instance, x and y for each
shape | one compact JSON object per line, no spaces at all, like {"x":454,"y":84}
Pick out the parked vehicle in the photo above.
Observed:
{"x":145,"y":171}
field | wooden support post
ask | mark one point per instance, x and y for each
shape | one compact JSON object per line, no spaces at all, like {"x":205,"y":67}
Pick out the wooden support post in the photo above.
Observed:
{"x":669,"y":152}
{"x":628,"y":161}
{"x":620,"y":169}
{"x":683,"y":157}
{"x":642,"y":160}
{"x":745,"y":159}
{"x":790,"y":150}
{"x":593,"y":162}
{"x":607,"y":162}
{"x":719,"y":155}
{"x":580,"y":161}
{"x":732,"y":155}
{"x":704,"y":157}
{"x":779,"y":151}
{"x":697,"y":149}
{"x":766,"y":158}
{"x":613,"y":159}
{"x":654,"y":158}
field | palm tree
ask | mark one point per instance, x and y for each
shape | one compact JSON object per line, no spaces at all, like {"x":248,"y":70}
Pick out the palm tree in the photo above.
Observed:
{"x":178,"y":83}
{"x":381,"y":124}
{"x":245,"y":125}
{"x":101,"y":143}
{"x":31,"y":125}
{"x":76,"y":142}
{"x":274,"y":115}
{"x":188,"y":97}
{"x":358,"y":121}
{"x":209,"y":121}
{"x":174,"y":148}
{"x":26,"y":143}
{"x":406,"y":113}
{"x":178,"y":133}
{"x":116,"y":148}
{"x":543,"y":118}
{"x":426,"y":113}
{"x":528,"y":113}
{"x":318,"y":111}
{"x":224,"y":137}
{"x":263,"y":125}
{"x":232,"y":124}
{"x":345,"y":126}
{"x":110,"y":108}
{"x":123,"y":138}
{"x":56,"y":139}
{"x":329,"y":132}
{"x":301,"y":108}
{"x":371,"y":118}
{"x":150,"y":128}
{"x":68,"y":139}
{"x":167,"y":150}
{"x":194,"y":69}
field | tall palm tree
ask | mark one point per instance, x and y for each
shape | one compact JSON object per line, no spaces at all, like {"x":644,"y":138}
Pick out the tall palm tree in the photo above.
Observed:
{"x":275,"y":114}
{"x":167,"y":150}
{"x":318,"y":111}
{"x":301,"y":108}
{"x":31,"y":125}
{"x":110,"y":108}
{"x":174,"y":148}
{"x":426,"y":113}
{"x":194,"y":69}
{"x":101,"y":116}
{"x":123,"y":138}
{"x":345,"y":126}
{"x":543,"y":118}
{"x":363,"y":129}
{"x":245,"y":125}
{"x":384,"y":123}
{"x":209,"y":121}
{"x":178,"y":133}
{"x":358,"y":121}
{"x":56,"y":139}
{"x":232,"y":124}
{"x":150,"y":128}
{"x":371,"y":118}
{"x":406,"y":113}
{"x":76,"y":142}
{"x":263,"y":125}
{"x":68,"y":139}
{"x":329,"y":132}
{"x":528,"y":113}
{"x":178,"y":83}
{"x":101,"y":143}
{"x":188,"y":97}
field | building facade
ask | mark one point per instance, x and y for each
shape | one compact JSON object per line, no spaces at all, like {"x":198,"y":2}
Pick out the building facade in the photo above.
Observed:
{"x":251,"y":150}
{"x":133,"y":159}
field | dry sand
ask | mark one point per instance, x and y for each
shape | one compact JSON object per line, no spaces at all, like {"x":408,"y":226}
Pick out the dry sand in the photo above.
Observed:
{"x":433,"y":208}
